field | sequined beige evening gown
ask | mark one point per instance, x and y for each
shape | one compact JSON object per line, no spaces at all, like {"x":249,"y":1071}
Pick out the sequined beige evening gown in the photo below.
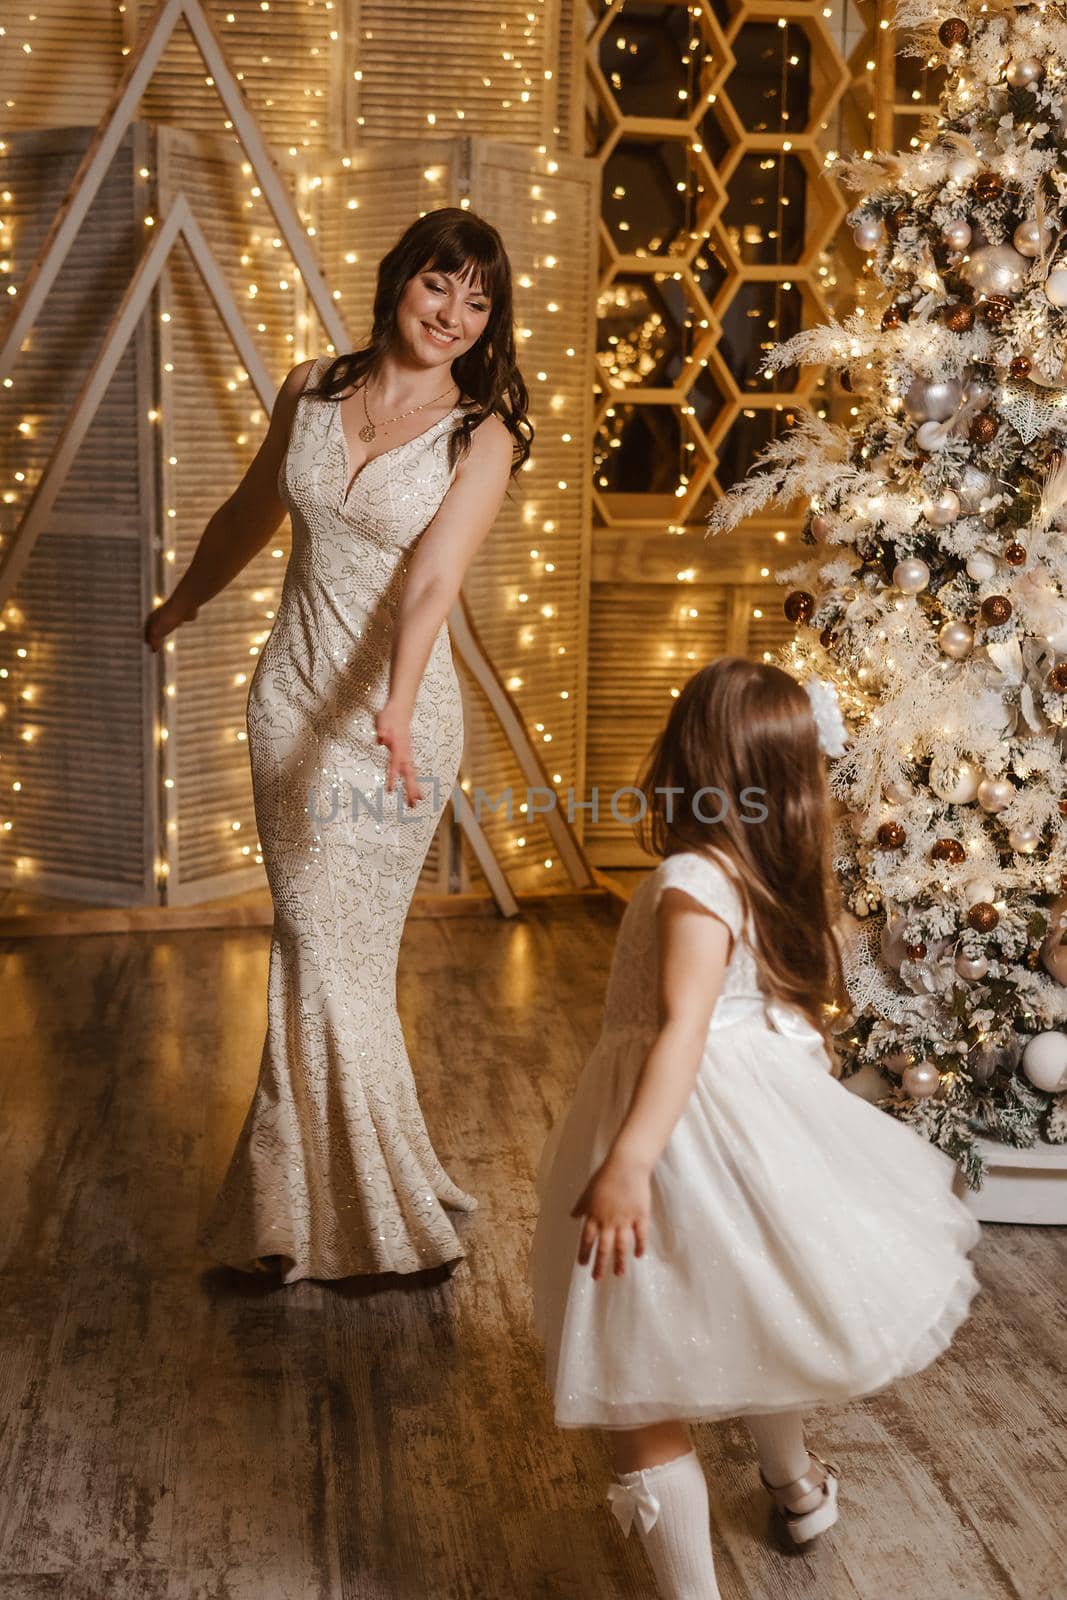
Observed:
{"x":333,"y":1168}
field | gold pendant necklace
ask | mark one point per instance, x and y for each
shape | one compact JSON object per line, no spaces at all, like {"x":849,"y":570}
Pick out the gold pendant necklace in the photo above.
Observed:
{"x":369,"y":429}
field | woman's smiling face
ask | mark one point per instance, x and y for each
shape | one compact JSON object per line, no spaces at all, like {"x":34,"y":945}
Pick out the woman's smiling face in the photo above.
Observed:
{"x":440,"y":315}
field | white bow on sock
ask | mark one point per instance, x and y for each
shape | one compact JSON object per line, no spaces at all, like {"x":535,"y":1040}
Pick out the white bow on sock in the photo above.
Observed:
{"x":670,"y":1503}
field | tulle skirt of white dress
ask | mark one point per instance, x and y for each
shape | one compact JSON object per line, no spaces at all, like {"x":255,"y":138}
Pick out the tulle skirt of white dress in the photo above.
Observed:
{"x":804,"y":1248}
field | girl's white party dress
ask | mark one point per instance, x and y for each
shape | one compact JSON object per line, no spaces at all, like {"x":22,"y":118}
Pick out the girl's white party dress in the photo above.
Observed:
{"x":804,"y":1248}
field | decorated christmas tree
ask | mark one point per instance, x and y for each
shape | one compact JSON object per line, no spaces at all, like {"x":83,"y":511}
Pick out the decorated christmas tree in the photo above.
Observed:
{"x":936,"y":600}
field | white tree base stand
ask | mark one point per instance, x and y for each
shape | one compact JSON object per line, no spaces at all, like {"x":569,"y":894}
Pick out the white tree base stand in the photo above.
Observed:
{"x":1018,"y":1186}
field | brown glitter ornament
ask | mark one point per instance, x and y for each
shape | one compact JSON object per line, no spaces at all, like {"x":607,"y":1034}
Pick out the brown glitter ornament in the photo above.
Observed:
{"x":989,"y":186}
{"x":994,"y":310}
{"x":828,"y":638}
{"x":983,"y":917}
{"x":949,"y":850}
{"x":1015,"y":553}
{"x":953,"y":31}
{"x":799,"y":605}
{"x":983,"y":429}
{"x":1057,"y":682}
{"x":1019,"y":367}
{"x":915,"y":952}
{"x":890,"y":836}
{"x":1032,"y":960}
{"x":845,"y":380}
{"x":959,"y":318}
{"x":996,"y":609}
{"x":891,"y":318}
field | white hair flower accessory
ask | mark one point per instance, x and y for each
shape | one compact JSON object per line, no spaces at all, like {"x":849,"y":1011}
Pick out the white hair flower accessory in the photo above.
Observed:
{"x":833,"y":734}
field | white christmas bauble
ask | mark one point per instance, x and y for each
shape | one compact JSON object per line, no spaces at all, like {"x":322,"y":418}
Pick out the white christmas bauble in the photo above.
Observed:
{"x":1053,"y":953}
{"x":962,"y":168}
{"x":933,"y":399}
{"x":911,"y":575}
{"x":1024,"y":838}
{"x":980,"y":891}
{"x":868,"y":234}
{"x":996,"y":269}
{"x":977,"y":393}
{"x":1024,"y":71}
{"x":995,"y":793}
{"x":971,"y":968}
{"x":1045,"y":1062}
{"x":956,"y":639}
{"x":981,"y":565}
{"x":942,"y":510}
{"x":956,"y":234}
{"x":821,"y":528}
{"x":898,"y":791}
{"x":922,"y":1080}
{"x":1031,"y":236}
{"x":930,"y":436}
{"x":1056,"y":286}
{"x":956,"y":785}
{"x":974,"y":487}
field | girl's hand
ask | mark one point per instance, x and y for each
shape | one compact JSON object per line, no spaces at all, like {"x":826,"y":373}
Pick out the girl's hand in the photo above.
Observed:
{"x":394,"y":731}
{"x":165,"y":618}
{"x":615,"y":1204}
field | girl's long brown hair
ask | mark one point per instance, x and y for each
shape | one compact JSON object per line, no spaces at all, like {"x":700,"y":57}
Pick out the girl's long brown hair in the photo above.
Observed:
{"x":457,"y":241}
{"x":745,"y":725}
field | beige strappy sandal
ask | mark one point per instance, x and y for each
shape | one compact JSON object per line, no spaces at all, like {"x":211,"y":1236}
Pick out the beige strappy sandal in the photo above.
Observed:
{"x":804,"y":1525}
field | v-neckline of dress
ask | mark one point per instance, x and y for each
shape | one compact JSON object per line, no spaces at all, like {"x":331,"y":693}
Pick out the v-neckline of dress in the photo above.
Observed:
{"x":351,"y":482}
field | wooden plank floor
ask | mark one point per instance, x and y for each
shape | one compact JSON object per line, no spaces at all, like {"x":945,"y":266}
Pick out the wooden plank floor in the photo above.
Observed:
{"x":174,"y":1431}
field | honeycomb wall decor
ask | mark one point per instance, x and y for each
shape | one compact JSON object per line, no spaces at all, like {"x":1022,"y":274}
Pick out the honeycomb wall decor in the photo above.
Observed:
{"x":712,"y":125}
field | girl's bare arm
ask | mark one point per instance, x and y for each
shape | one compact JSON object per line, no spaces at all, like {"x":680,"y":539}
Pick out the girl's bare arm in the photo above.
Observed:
{"x":694,"y":947}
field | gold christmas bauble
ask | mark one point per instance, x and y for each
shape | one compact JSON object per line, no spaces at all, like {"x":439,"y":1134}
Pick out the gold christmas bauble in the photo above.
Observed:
{"x":996,"y":609}
{"x":959,"y":318}
{"x":983,"y":917}
{"x":799,"y":605}
{"x":953,"y":31}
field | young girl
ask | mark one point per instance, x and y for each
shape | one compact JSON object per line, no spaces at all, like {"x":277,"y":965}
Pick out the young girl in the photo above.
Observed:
{"x":762,"y":1240}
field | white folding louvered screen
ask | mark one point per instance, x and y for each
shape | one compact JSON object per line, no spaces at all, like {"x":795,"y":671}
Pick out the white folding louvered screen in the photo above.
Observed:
{"x":210,"y":426}
{"x":288,"y":56}
{"x":59,"y":62}
{"x":529,"y":589}
{"x":503,"y":69}
{"x":77,"y":706}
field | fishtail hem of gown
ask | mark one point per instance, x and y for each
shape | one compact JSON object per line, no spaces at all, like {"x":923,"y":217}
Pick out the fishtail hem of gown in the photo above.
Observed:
{"x":368,"y":1262}
{"x":931,"y":1343}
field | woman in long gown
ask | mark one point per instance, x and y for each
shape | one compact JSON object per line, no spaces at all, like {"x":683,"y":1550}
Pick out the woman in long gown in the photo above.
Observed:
{"x":392,"y":463}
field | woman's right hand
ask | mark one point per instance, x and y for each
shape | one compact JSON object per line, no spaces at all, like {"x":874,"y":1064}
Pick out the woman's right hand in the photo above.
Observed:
{"x":165,"y":618}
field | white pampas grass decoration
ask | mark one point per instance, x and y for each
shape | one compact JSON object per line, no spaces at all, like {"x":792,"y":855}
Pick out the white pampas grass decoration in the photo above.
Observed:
{"x":833,"y":735}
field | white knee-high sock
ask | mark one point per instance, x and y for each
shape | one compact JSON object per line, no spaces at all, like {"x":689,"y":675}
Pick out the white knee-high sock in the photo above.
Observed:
{"x":782,"y":1452}
{"x":669,"y":1505}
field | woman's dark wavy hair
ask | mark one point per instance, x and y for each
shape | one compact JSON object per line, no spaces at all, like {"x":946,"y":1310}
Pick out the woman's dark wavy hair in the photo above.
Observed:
{"x":737,"y":725}
{"x":460,"y":242}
